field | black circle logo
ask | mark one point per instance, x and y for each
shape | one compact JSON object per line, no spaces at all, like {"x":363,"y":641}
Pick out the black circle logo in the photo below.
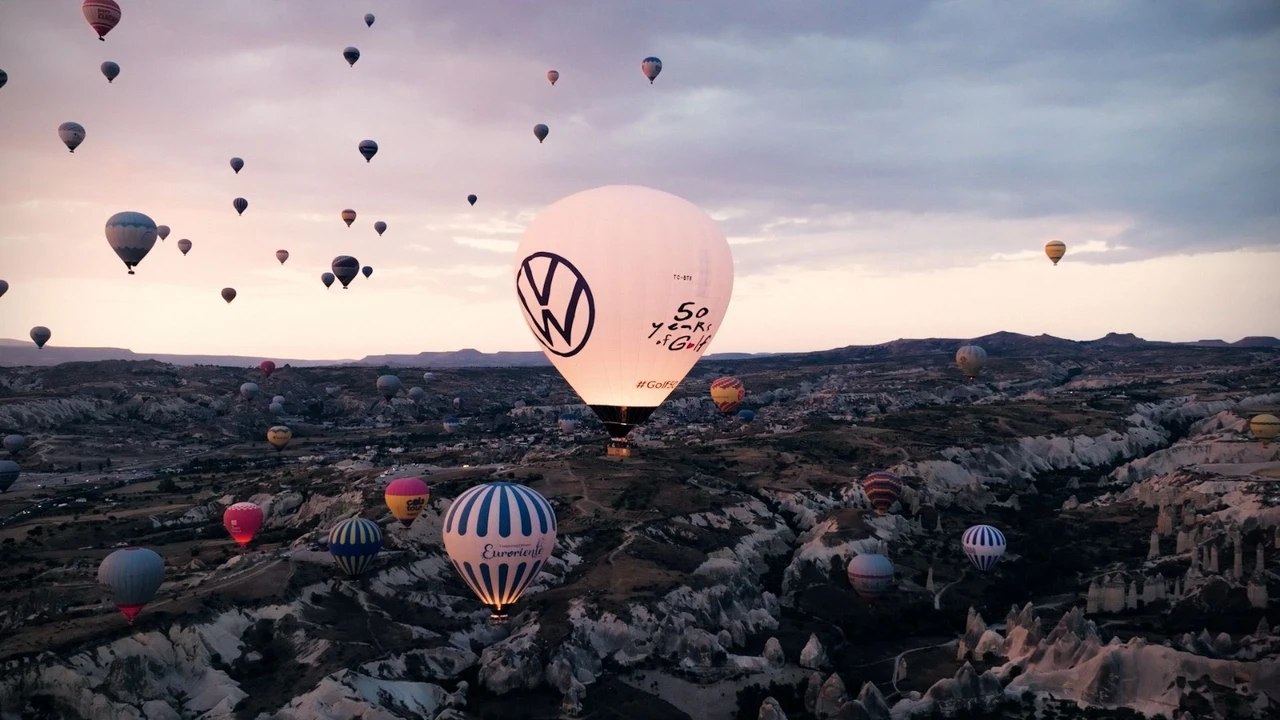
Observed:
{"x":556,"y":297}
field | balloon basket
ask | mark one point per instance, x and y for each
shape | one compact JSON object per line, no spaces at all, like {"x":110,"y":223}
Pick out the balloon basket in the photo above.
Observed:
{"x":619,"y":449}
{"x":497,"y":619}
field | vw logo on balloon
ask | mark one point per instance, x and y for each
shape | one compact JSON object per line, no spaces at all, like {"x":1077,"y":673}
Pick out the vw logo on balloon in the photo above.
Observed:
{"x":555,"y":297}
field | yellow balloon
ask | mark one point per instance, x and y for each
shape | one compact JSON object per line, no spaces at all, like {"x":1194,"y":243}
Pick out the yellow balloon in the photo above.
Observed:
{"x":279,"y":436}
{"x":406,"y":498}
{"x":1265,"y":427}
{"x":1055,"y":249}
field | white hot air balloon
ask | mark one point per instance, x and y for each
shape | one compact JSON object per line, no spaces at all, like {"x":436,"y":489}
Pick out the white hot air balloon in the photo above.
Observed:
{"x":498,"y":535}
{"x":623,"y":287}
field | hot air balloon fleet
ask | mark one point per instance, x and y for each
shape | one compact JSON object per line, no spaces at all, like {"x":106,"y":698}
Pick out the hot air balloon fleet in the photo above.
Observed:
{"x":623,"y":288}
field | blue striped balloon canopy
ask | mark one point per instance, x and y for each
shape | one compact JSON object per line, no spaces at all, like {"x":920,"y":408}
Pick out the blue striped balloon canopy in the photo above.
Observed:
{"x":354,"y":544}
{"x":984,"y":545}
{"x":498,"y":536}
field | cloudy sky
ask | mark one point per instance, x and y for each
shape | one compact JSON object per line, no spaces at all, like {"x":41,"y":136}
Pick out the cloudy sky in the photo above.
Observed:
{"x":883,"y":170}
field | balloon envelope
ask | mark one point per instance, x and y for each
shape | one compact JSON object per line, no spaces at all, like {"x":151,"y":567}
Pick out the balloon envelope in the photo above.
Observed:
{"x":388,"y":386}
{"x":327,"y":278}
{"x":472,"y":199}
{"x":4,"y":287}
{"x":110,"y":70}
{"x":883,"y":489}
{"x":417,"y":394}
{"x":279,"y":436}
{"x":498,"y":535}
{"x":184,"y":245}
{"x":275,"y":408}
{"x":727,"y":394}
{"x":1265,"y":427}
{"x":162,"y":231}
{"x":282,"y":255}
{"x":354,"y":544}
{"x":237,"y":164}
{"x":352,"y":55}
{"x":249,"y":390}
{"x":345,"y":268}
{"x":870,"y":575}
{"x":984,"y":545}
{"x":1055,"y":249}
{"x":131,"y":235}
{"x":569,"y":421}
{"x":970,"y":359}
{"x":651,"y":66}
{"x":267,"y":367}
{"x":4,"y":78}
{"x":348,"y":216}
{"x":406,"y":497}
{"x":451,"y":424}
{"x":15,"y":443}
{"x":623,"y":334}
{"x":368,"y":149}
{"x":541,"y":131}
{"x":368,"y":19}
{"x":380,"y":227}
{"x":9,"y":473}
{"x":240,"y":204}
{"x":553,"y":76}
{"x":102,"y":15}
{"x":132,"y":576}
{"x":242,"y":521}
{"x":228,"y":294}
{"x":40,"y":335}
{"x":71,"y":134}
{"x":746,"y":415}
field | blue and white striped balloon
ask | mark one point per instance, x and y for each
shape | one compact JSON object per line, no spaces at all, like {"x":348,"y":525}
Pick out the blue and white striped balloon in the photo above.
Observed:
{"x":498,"y":535}
{"x":984,"y":545}
{"x":354,"y":544}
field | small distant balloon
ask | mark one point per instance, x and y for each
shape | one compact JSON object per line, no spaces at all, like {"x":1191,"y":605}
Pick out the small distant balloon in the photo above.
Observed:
{"x":282,"y":255}
{"x":1055,"y":249}
{"x":10,"y":471}
{"x":228,"y":294}
{"x":131,"y":235}
{"x":242,"y":521}
{"x":366,"y":270}
{"x":266,"y":367}
{"x":110,"y":70}
{"x":327,"y":278}
{"x":971,"y":359}
{"x":569,"y":421}
{"x":276,"y":408}
{"x":278,"y":399}
{"x":368,"y":149}
{"x":348,"y":216}
{"x":40,"y":335}
{"x":249,"y":390}
{"x":746,"y":416}
{"x":417,"y":394}
{"x":102,"y":16}
{"x":883,"y":489}
{"x":451,"y":424}
{"x":279,"y":436}
{"x":4,"y":287}
{"x":132,"y":575}
{"x":240,"y":204}
{"x":553,"y":76}
{"x":352,"y":55}
{"x":984,"y":545}
{"x":184,"y":245}
{"x":406,"y":498}
{"x":388,"y":386}
{"x":4,"y":78}
{"x":651,"y":66}
{"x":368,"y":19}
{"x":1264,"y":427}
{"x":162,"y":231}
{"x":14,"y":443}
{"x":380,"y":227}
{"x":71,"y":134}
{"x":237,"y":164}
{"x":354,"y":544}
{"x":472,"y":199}
{"x":871,"y":575}
{"x":541,"y":131}
{"x":345,"y":268}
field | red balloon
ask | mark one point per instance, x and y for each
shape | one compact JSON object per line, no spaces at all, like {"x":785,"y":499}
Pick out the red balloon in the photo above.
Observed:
{"x":102,"y":15}
{"x":242,"y":520}
{"x":267,"y":367}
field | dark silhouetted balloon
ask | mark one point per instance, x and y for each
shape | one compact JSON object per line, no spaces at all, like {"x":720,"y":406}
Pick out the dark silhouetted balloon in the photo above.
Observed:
{"x":472,"y":199}
{"x":541,"y":131}
{"x":368,"y":149}
{"x":345,"y":268}
{"x":228,"y":294}
{"x":240,"y":204}
{"x":237,"y":164}
{"x":110,"y":70}
{"x":352,"y":55}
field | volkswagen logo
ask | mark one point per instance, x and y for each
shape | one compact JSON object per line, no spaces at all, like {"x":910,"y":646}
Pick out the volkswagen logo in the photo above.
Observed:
{"x":557,"y":303}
